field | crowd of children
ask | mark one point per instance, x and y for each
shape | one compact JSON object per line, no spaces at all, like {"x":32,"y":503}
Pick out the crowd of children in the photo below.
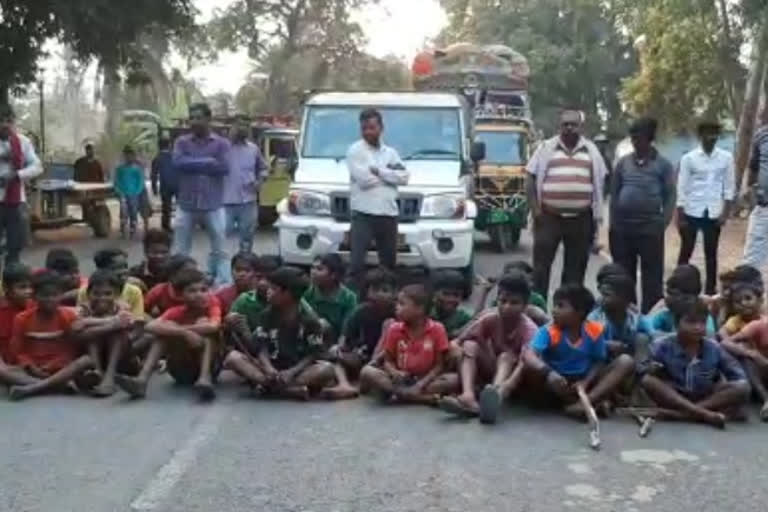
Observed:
{"x":292,"y":335}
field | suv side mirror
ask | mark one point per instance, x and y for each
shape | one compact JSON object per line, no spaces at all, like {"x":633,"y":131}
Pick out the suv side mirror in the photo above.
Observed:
{"x":477,"y":151}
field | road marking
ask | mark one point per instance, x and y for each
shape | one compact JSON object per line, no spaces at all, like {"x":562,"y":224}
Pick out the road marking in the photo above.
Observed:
{"x":160,"y":487}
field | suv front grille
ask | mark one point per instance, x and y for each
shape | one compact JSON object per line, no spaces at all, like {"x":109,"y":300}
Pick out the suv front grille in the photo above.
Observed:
{"x":409,"y":206}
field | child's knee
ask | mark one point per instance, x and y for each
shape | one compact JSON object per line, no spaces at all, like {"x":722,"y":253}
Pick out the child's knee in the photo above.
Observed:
{"x":234,"y":359}
{"x":369,"y":374}
{"x":470,"y":349}
{"x":324,"y":369}
{"x":742,"y":389}
{"x":625,"y":362}
{"x":506,"y":358}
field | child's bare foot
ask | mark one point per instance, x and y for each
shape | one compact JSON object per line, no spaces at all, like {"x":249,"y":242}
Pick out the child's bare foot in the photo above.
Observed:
{"x":103,"y":390}
{"x":455,"y":405}
{"x":490,"y":402}
{"x":16,"y":393}
{"x":205,"y":390}
{"x":339,"y":393}
{"x":764,"y":413}
{"x":297,"y":393}
{"x":715,"y":419}
{"x":134,"y":387}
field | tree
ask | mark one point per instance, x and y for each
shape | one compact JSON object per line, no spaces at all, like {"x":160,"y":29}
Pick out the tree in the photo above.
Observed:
{"x":576,"y":50}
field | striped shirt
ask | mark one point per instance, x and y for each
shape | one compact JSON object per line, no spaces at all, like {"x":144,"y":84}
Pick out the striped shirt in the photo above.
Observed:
{"x":759,"y":162}
{"x":567,"y":185}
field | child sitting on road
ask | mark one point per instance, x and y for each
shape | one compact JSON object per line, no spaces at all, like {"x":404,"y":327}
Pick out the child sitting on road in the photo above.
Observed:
{"x":722,"y":305}
{"x":47,"y":355}
{"x":17,"y":285}
{"x":332,"y":301}
{"x":448,"y":287}
{"x":116,"y":261}
{"x":162,"y":296}
{"x":684,"y":284}
{"x":415,"y":350}
{"x":283,"y":358}
{"x":106,"y":325}
{"x":746,"y":305}
{"x":536,"y":299}
{"x":157,"y":251}
{"x":64,"y":262}
{"x":571,"y":354}
{"x":491,"y":351}
{"x":683,"y":375}
{"x":536,"y":309}
{"x":626,"y":331}
{"x":189,"y":337}
{"x":243,"y":271}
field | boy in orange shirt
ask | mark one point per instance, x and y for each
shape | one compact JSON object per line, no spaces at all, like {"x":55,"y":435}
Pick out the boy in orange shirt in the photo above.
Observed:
{"x":43,"y":344}
{"x":17,"y":283}
{"x":188,"y":336}
{"x":162,"y":296}
{"x":415,"y":352}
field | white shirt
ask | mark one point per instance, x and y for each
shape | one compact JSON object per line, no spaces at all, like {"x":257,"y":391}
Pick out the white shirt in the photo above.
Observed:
{"x":705,"y":182}
{"x":32,"y":166}
{"x":368,"y":193}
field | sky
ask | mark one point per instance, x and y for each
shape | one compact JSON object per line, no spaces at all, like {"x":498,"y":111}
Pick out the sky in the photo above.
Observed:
{"x":393,"y":27}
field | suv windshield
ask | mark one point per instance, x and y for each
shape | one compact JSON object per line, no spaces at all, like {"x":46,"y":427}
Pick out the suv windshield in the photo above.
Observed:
{"x":416,"y":133}
{"x":503,"y":148}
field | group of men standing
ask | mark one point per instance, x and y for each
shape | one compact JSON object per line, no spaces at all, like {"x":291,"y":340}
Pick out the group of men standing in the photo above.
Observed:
{"x":566,"y":193}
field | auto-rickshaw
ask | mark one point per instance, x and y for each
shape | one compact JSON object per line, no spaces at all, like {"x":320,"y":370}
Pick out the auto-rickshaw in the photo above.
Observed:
{"x":278,"y":147}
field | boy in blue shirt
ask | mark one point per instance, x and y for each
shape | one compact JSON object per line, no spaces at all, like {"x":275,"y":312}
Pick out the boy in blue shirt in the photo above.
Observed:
{"x":685,"y":368}
{"x":129,"y":185}
{"x":572,"y":353}
{"x":683,"y":285}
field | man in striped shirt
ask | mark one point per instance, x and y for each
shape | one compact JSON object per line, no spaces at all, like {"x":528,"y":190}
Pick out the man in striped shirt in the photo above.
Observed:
{"x":756,"y":248}
{"x":565,"y":177}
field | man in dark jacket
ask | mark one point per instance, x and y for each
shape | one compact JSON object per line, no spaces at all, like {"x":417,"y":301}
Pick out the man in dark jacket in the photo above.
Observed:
{"x":164,"y":175}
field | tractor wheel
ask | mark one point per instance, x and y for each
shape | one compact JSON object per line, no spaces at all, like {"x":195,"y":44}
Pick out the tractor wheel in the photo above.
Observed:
{"x":100,"y":220}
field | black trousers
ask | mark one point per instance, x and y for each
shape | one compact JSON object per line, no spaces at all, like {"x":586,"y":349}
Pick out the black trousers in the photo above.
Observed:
{"x":364,"y":228}
{"x":627,"y":247}
{"x":166,"y":208}
{"x":12,"y":227}
{"x":688,"y":234}
{"x":549,"y":231}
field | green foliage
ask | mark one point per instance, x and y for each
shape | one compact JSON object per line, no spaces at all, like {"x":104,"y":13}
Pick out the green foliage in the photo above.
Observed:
{"x":577,"y":52}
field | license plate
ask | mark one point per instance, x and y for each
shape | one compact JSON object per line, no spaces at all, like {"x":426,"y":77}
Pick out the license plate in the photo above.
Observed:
{"x":400,"y":242}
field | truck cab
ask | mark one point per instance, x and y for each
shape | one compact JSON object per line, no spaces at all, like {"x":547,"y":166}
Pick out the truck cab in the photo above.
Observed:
{"x":430,"y":132}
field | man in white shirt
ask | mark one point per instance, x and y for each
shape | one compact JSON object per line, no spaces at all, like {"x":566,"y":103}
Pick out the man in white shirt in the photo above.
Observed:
{"x":18,"y":164}
{"x":706,"y":186}
{"x":375,"y":172}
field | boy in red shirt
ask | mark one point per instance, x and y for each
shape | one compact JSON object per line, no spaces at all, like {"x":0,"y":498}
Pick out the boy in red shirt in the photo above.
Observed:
{"x":43,"y":343}
{"x":188,"y":336}
{"x":106,"y":325}
{"x":243,"y":276}
{"x":490,"y":349}
{"x":162,"y":296}
{"x":415,"y":351}
{"x":17,"y":283}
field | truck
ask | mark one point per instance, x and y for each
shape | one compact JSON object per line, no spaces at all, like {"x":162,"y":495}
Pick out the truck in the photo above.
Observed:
{"x":494,"y":80}
{"x":430,"y":131}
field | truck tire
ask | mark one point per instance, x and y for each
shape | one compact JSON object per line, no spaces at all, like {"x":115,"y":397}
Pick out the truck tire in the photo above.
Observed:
{"x":504,"y":237}
{"x":100,"y":220}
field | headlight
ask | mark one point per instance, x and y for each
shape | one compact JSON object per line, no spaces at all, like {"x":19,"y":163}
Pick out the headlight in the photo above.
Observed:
{"x":448,"y":206}
{"x":301,"y":202}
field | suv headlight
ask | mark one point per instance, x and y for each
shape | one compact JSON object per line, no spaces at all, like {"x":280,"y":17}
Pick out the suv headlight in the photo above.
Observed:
{"x":446,"y":206}
{"x":301,"y":202}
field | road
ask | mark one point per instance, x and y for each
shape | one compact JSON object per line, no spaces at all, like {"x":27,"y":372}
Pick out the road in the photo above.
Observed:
{"x":170,"y":453}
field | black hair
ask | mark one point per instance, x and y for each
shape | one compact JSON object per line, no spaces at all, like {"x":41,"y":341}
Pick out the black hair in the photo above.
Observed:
{"x":378,"y":277}
{"x":46,"y":279}
{"x":164,"y":143}
{"x":578,"y":296}
{"x":201,"y":107}
{"x":645,"y":126}
{"x":747,"y":274}
{"x":756,"y":288}
{"x":692,"y":308}
{"x":250,"y":259}
{"x":291,"y":279}
{"x":708,"y":126}
{"x":516,"y":282}
{"x":104,"y":277}
{"x":14,"y":274}
{"x":522,"y":266}
{"x":419,"y":295}
{"x":61,"y":260}
{"x":176,"y":263}
{"x":333,"y":262}
{"x":186,"y":277}
{"x":371,"y":113}
{"x":156,"y":236}
{"x":268,"y":263}
{"x":608,"y":270}
{"x":105,"y":257}
{"x":686,"y":279}
{"x":622,"y":284}
{"x":446,"y":279}
{"x":88,"y":145}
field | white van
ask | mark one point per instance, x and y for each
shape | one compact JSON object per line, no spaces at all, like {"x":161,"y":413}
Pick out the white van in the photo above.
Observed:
{"x":429,"y":131}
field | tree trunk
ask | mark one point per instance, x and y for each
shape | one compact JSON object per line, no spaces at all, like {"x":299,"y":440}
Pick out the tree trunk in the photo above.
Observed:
{"x":751,"y":102}
{"x":112,"y":99}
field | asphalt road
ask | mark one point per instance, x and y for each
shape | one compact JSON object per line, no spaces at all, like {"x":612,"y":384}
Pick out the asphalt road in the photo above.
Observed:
{"x":170,"y":453}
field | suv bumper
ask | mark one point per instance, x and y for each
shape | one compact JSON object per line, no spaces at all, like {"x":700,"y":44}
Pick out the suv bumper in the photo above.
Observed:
{"x":446,"y":243}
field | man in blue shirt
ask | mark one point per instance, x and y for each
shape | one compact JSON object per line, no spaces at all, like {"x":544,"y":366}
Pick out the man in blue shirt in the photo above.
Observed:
{"x":164,"y":175}
{"x":693,"y":375}
{"x":572,"y":353}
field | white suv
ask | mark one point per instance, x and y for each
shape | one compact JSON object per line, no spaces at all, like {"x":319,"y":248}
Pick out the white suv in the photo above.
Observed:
{"x":429,"y":131}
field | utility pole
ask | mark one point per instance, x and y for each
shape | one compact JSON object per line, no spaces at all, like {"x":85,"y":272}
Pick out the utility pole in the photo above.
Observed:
{"x":41,"y":89}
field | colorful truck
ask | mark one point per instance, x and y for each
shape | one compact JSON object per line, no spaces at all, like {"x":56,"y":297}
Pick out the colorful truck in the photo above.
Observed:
{"x":494,"y":80}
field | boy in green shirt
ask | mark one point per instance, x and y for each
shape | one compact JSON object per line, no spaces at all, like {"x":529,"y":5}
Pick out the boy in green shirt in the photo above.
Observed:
{"x":449,"y":289}
{"x":243,"y":317}
{"x":331,"y":300}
